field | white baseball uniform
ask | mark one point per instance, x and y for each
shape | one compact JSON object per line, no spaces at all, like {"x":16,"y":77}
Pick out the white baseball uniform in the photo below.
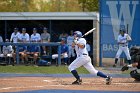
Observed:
{"x":69,"y":43}
{"x":24,"y":37}
{"x":82,"y":58}
{"x":14,"y":37}
{"x":123,"y":47}
{"x":35,"y":37}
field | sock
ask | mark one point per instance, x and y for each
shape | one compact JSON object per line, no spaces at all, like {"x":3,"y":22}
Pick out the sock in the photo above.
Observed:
{"x":129,"y":61}
{"x":75,"y":74}
{"x":101,"y":74}
{"x":116,"y":60}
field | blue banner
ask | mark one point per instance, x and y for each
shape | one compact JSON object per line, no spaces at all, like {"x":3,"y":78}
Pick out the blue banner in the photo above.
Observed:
{"x":116,"y":15}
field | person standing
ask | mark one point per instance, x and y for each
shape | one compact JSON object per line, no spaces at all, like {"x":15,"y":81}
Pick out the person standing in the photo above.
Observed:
{"x":83,"y":59}
{"x":123,"y":40}
{"x":45,"y":37}
{"x":14,"y":36}
{"x":70,"y":39}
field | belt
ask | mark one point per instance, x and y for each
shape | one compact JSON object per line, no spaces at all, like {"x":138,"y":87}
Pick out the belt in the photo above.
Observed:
{"x":124,"y":46}
{"x":84,"y":54}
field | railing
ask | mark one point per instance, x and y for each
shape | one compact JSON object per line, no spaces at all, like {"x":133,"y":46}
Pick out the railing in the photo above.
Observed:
{"x":37,"y":44}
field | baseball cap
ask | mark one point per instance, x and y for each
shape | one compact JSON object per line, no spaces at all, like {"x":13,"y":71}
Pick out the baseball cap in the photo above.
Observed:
{"x":45,"y":28}
{"x":63,"y":39}
{"x":34,"y":29}
{"x":23,"y":29}
{"x":15,"y":28}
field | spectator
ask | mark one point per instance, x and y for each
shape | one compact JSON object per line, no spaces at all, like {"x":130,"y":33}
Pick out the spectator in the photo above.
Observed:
{"x":35,"y":37}
{"x":7,"y":51}
{"x":14,"y":36}
{"x":1,"y":40}
{"x":70,"y":40}
{"x":64,"y":51}
{"x":45,"y":37}
{"x":24,"y":37}
{"x":34,"y":50}
{"x":88,"y":48}
{"x":22,"y":53}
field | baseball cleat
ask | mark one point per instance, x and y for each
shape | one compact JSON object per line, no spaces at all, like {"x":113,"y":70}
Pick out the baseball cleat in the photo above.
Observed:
{"x":108,"y":80}
{"x":77,"y":82}
{"x":114,"y":65}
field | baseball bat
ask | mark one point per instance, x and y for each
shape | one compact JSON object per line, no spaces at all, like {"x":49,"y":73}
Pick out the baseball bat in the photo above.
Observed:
{"x":88,"y":32}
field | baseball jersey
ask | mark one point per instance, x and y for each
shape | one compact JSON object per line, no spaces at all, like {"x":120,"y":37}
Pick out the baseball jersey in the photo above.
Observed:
{"x":70,"y":40}
{"x":81,"y":51}
{"x":123,"y":39}
{"x":64,"y":48}
{"x":22,"y":48}
{"x":14,"y":37}
{"x":33,"y":49}
{"x":88,"y":47}
{"x":35,"y":37}
{"x":1,"y":40}
{"x":24,"y":37}
{"x":45,"y":37}
{"x":7,"y":49}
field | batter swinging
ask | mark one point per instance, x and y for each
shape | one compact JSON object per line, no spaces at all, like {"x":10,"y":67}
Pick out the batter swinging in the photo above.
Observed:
{"x":123,"y":40}
{"x":83,"y":60}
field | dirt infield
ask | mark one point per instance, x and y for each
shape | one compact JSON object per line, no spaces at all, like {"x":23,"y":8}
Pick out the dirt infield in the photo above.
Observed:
{"x":14,"y":84}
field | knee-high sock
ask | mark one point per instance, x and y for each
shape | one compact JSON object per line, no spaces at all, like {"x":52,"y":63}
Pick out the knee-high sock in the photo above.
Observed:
{"x":101,"y":74}
{"x":75,"y":74}
{"x":116,"y":60}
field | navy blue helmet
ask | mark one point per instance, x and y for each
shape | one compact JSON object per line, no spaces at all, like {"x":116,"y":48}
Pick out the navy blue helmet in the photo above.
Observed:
{"x":78,"y":33}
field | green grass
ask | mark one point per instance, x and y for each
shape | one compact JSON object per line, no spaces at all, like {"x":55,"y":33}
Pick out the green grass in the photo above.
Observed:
{"x":40,"y":70}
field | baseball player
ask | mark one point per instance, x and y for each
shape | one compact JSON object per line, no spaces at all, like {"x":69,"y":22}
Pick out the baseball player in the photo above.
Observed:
{"x":135,"y":54}
{"x":45,"y":37}
{"x":123,"y":40}
{"x":64,"y":51}
{"x":14,"y":36}
{"x":34,"y":50}
{"x":70,"y":39}
{"x":83,"y":60}
{"x":35,"y":37}
{"x":24,"y":37}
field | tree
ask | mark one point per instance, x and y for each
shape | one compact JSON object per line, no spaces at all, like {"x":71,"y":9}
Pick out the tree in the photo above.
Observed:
{"x":89,"y":5}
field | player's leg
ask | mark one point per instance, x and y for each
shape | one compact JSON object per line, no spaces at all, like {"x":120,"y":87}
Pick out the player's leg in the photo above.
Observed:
{"x":92,"y":70}
{"x":117,"y":56}
{"x":35,"y":56}
{"x":65,"y":56}
{"x":78,"y":62}
{"x":127,"y":53}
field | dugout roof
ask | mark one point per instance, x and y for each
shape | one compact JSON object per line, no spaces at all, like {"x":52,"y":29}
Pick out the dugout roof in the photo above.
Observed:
{"x":49,"y":16}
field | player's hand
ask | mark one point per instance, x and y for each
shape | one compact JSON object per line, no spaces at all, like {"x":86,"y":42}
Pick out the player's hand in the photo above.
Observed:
{"x":75,"y":41}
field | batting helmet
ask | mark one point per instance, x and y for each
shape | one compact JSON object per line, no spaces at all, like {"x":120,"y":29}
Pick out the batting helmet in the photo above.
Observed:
{"x":122,"y":30}
{"x":78,"y":33}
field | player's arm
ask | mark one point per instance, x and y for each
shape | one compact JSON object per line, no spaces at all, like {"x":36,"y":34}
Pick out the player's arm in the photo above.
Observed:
{"x":11,"y":38}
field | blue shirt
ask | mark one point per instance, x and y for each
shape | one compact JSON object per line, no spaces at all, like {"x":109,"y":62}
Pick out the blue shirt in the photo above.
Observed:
{"x":22,"y":48}
{"x":33,"y":49}
{"x":64,"y":48}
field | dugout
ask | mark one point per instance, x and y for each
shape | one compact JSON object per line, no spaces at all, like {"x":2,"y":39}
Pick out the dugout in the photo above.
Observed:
{"x":56,"y":22}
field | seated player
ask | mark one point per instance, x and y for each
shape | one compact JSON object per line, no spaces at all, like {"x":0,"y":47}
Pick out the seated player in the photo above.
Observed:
{"x":7,"y":52}
{"x":64,"y":51}
{"x":34,"y":51}
{"x":22,"y":53}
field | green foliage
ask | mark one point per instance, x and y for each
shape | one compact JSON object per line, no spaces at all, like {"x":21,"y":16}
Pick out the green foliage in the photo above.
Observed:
{"x":42,"y":70}
{"x":48,"y":5}
{"x":89,"y":5}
